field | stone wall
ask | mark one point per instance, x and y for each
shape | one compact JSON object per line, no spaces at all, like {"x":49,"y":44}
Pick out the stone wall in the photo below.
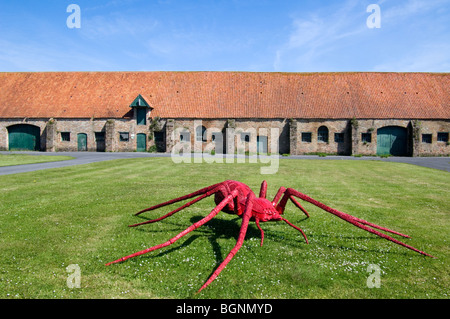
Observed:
{"x":285,"y":136}
{"x":435,"y":147}
{"x":371,"y":127}
{"x":5,"y":123}
{"x":102,"y":134}
{"x":305,"y":137}
{"x":359,"y":136}
{"x":228,"y":135}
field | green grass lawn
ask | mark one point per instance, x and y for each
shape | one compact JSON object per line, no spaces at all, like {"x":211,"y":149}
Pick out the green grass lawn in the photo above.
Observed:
{"x":21,"y":159}
{"x":79,"y":215}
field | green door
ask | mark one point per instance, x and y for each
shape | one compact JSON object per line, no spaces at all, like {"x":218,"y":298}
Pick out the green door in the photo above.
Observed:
{"x":141,"y":142}
{"x":141,"y":115}
{"x":24,"y":137}
{"x":392,"y":140}
{"x":82,"y":142}
{"x":262,"y":144}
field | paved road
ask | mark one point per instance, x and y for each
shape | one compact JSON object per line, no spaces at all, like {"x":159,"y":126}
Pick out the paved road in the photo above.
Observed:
{"x":80,"y":158}
{"x":441,"y":163}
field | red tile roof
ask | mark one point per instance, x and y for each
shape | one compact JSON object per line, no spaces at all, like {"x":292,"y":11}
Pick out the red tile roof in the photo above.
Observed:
{"x":226,"y":95}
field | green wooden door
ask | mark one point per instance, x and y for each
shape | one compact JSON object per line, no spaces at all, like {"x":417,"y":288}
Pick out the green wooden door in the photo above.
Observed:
{"x":262,"y":144}
{"x":24,"y":137}
{"x":392,"y":140}
{"x":141,"y":142}
{"x":82,"y":142}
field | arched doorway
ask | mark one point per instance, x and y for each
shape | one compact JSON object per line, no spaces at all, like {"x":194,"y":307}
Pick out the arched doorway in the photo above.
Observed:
{"x":24,"y":137}
{"x":392,"y":140}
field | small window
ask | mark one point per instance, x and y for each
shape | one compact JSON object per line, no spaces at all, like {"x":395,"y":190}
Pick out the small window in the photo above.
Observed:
{"x":426,"y":138}
{"x":339,"y":137}
{"x":366,"y":137}
{"x":442,"y":137}
{"x":185,"y":137}
{"x":124,"y":136}
{"x":65,"y":136}
{"x":245,"y":137}
{"x":306,"y":137}
{"x":322,"y":134}
{"x":200,"y":134}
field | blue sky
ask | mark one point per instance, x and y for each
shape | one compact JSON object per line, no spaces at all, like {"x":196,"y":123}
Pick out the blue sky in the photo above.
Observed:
{"x":232,"y":35}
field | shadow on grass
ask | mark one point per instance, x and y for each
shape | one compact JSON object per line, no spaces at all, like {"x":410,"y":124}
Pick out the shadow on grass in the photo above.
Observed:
{"x":214,"y":229}
{"x":218,"y":228}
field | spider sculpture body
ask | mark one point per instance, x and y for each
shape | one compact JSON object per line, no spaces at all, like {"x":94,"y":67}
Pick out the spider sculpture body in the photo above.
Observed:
{"x":234,"y":197}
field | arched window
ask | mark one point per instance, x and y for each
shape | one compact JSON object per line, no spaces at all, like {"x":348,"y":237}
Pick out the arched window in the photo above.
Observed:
{"x":200,"y":134}
{"x":322,"y":134}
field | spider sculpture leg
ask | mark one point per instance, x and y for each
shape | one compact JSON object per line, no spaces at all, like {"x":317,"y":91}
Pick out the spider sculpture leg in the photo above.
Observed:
{"x":245,"y":220}
{"x":260,"y":229}
{"x":263,"y":190}
{"x":287,"y":222}
{"x":298,"y":228}
{"x":204,"y":192}
{"x":210,"y":216}
{"x":262,"y":194}
{"x":282,"y":191}
{"x":349,"y":218}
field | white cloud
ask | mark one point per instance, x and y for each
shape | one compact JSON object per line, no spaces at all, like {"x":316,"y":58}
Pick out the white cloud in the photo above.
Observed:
{"x":318,"y":34}
{"x":413,"y":37}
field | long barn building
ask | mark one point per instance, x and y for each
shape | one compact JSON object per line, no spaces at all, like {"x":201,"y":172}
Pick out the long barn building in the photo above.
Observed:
{"x":402,"y":114}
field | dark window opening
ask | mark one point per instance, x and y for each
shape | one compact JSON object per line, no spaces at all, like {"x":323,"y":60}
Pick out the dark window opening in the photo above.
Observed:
{"x":366,"y":137}
{"x":306,"y":137}
{"x":322,"y":134}
{"x":65,"y":136}
{"x":124,"y":136}
{"x":245,"y":137}
{"x":426,"y":138}
{"x":442,"y":137}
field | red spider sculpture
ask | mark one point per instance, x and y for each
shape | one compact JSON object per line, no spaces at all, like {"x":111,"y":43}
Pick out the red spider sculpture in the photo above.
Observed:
{"x":234,"y":197}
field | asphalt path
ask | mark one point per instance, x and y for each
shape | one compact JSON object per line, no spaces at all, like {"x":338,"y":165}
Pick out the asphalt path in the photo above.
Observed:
{"x":81,"y":158}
